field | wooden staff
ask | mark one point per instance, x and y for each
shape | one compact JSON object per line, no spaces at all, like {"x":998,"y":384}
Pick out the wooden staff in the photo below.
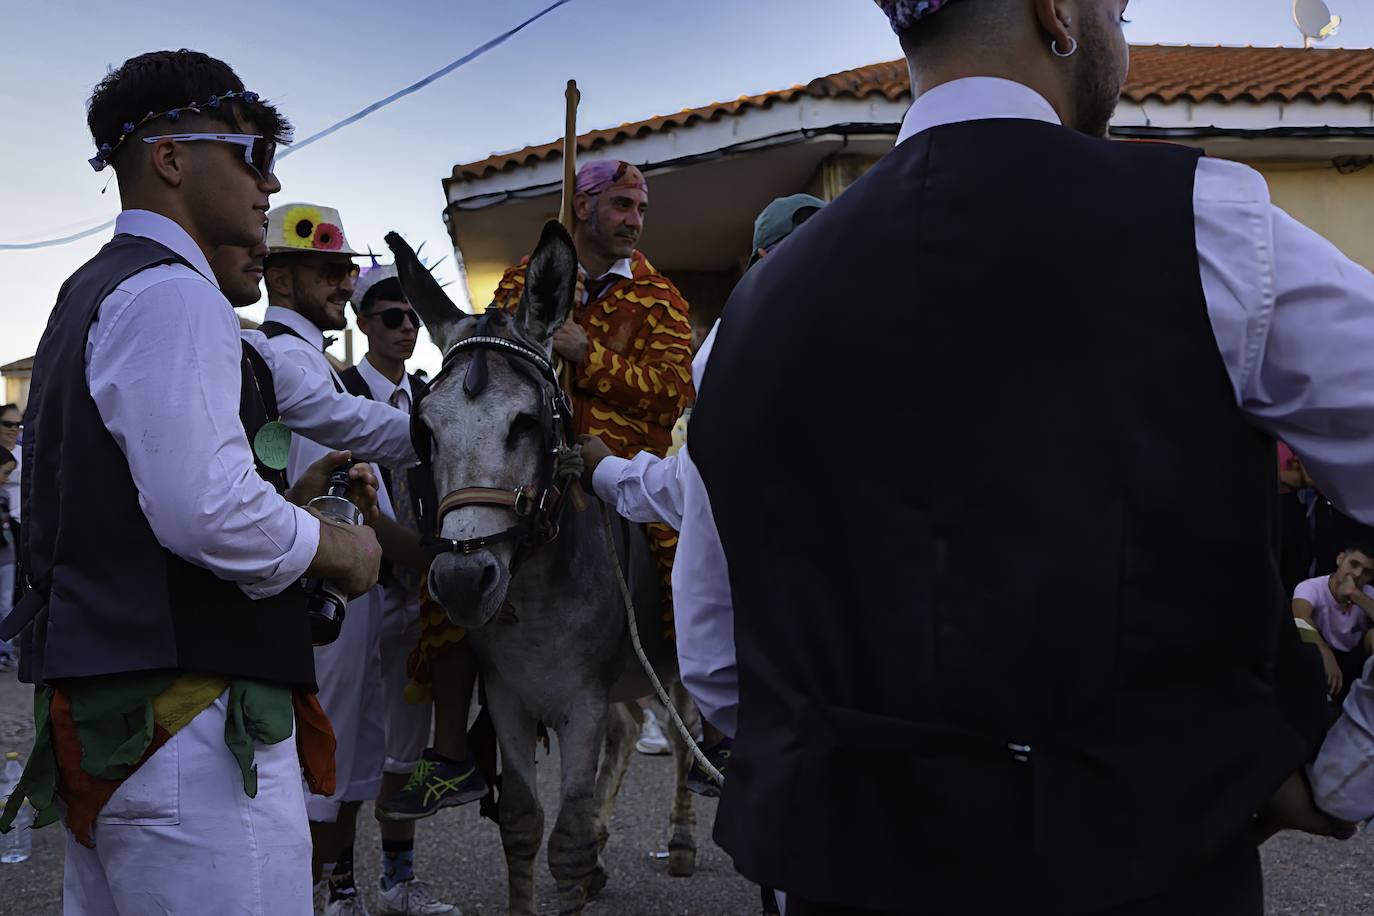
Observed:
{"x":565,"y":213}
{"x":566,"y":216}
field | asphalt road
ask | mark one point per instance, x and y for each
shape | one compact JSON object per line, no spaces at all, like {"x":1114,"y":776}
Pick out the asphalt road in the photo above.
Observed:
{"x":460,"y":855}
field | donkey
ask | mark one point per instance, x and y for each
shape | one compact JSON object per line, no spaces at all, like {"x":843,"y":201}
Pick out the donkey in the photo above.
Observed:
{"x":542,"y":606}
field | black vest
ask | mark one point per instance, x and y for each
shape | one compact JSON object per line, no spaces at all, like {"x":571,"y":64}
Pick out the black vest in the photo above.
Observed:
{"x":356,"y":385}
{"x":116,"y":600}
{"x":1009,"y":627}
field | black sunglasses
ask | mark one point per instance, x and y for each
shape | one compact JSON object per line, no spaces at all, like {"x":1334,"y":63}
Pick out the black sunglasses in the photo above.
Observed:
{"x":332,"y":274}
{"x":15,"y":424}
{"x":392,"y":318}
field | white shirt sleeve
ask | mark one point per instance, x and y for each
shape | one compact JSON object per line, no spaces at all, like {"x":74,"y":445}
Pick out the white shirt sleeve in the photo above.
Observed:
{"x":1343,"y":775}
{"x":1294,"y":322}
{"x":645,"y":488}
{"x":703,"y":611}
{"x":164,"y":368}
{"x":311,"y":406}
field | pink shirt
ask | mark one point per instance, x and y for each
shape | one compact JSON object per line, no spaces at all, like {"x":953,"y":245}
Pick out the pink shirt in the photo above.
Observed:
{"x":1342,"y":627}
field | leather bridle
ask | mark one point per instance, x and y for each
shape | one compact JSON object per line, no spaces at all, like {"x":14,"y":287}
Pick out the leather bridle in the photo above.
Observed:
{"x":537,"y":506}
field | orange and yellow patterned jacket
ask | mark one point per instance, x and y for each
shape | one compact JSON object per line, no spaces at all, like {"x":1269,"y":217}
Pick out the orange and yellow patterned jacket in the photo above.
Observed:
{"x":638,"y":375}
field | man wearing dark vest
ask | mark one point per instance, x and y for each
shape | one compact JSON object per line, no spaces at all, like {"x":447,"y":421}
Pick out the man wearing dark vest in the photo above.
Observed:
{"x":392,"y":328}
{"x":1048,"y":668}
{"x":166,"y":633}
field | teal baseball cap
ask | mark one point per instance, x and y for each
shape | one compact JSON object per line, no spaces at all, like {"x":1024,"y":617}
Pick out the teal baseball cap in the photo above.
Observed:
{"x":780,"y":218}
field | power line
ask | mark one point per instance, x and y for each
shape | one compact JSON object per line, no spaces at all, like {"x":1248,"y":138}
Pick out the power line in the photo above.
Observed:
{"x":351,"y":119}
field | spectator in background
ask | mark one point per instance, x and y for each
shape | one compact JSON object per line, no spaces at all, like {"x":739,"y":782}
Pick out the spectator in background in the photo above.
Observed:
{"x":1340,"y":607}
{"x":8,"y":539}
{"x":11,"y":422}
{"x":1295,"y":529}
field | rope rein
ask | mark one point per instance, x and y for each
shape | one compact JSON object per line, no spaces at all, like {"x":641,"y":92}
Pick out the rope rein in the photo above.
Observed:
{"x":716,"y":776}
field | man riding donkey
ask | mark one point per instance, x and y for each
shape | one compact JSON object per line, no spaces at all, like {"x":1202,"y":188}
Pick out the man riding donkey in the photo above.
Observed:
{"x":628,"y":343}
{"x":629,"y":346}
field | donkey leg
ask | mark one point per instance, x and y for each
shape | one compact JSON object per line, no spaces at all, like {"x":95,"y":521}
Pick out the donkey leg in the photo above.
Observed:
{"x":572,"y":844}
{"x":621,"y":730}
{"x":522,"y":817}
{"x":682,"y":845}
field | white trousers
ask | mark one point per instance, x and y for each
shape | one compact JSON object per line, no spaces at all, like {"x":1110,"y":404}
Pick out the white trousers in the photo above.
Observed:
{"x":181,"y":836}
{"x":407,"y":725}
{"x":349,"y":673}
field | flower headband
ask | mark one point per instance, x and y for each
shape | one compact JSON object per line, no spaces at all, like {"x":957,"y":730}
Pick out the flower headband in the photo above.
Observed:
{"x":107,"y":150}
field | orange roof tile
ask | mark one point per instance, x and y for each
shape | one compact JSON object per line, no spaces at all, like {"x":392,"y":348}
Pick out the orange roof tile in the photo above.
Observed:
{"x":1168,"y":73}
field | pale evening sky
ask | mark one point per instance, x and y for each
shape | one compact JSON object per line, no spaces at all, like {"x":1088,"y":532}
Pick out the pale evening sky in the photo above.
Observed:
{"x":321,"y":62}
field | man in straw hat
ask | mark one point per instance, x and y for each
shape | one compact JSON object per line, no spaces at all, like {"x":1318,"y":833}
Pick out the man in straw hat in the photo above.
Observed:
{"x":310,"y":276}
{"x":1049,"y":667}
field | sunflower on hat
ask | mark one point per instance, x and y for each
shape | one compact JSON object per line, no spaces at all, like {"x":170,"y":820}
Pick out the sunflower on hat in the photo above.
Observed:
{"x":301,"y":225}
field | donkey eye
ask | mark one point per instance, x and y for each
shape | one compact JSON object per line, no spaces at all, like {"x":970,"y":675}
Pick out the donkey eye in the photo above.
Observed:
{"x":522,"y":424}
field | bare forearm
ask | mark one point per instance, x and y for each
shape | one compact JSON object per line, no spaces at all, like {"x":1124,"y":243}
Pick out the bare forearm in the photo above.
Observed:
{"x":400,"y":545}
{"x":1365,"y":603}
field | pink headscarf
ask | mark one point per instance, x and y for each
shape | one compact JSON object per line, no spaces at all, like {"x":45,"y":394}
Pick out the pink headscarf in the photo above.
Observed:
{"x":604,"y":174}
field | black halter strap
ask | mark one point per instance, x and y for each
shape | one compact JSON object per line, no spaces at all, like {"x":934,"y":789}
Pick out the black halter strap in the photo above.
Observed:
{"x":538,"y":506}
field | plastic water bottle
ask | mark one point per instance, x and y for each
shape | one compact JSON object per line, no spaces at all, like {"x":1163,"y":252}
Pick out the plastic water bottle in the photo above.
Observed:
{"x":17,"y":845}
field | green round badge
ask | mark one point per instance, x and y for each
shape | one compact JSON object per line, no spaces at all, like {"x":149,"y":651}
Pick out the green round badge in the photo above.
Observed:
{"x":272,"y":445}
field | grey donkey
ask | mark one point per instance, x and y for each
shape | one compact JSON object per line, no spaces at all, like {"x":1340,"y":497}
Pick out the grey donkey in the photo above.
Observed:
{"x":546,"y":618}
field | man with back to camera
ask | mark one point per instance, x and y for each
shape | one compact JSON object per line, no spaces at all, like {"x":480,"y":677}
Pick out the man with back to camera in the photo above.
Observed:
{"x":1108,"y":745}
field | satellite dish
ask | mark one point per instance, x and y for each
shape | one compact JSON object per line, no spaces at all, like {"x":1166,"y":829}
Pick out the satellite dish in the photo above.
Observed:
{"x":1314,"y":19}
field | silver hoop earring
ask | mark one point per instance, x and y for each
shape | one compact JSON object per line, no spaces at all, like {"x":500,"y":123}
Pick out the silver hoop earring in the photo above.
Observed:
{"x":1073,"y":47}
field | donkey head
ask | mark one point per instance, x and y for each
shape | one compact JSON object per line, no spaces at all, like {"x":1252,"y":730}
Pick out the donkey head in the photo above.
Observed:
{"x":484,"y":415}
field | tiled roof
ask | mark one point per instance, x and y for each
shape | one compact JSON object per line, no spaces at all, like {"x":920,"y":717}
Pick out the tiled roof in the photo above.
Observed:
{"x":1195,"y":74}
{"x":19,"y":365}
{"x":1168,"y":73}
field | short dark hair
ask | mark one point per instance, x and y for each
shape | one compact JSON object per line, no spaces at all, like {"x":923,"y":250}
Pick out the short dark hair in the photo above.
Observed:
{"x":5,"y":408}
{"x":162,"y":80}
{"x":1361,"y":540}
{"x":388,"y":289}
{"x":951,"y":28}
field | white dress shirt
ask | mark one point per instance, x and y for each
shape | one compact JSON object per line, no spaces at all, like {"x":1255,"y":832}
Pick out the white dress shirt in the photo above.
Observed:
{"x":395,"y":594}
{"x":374,"y":432}
{"x":594,"y":286}
{"x":364,"y":426}
{"x":1343,"y":775}
{"x":312,"y":406}
{"x":164,"y":366}
{"x":1294,"y":323}
{"x":647,"y":488}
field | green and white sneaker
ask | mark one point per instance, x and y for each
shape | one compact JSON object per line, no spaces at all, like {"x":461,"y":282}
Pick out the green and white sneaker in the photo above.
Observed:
{"x":436,"y":783}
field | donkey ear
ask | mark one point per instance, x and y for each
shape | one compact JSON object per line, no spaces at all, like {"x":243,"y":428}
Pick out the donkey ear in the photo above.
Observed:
{"x":423,"y":292}
{"x":550,"y":280}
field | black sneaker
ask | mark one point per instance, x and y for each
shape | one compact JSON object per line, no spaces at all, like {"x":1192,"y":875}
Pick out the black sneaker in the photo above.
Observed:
{"x":436,"y":783}
{"x":699,"y":781}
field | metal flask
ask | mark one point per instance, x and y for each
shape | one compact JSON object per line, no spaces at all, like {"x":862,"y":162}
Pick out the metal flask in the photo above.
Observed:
{"x":326,"y":605}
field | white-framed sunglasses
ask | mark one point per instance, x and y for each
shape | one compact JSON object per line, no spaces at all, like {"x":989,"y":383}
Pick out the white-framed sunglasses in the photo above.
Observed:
{"x":258,"y":152}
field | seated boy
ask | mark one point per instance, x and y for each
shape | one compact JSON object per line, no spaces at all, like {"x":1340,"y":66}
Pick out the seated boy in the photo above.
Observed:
{"x":1340,"y":607}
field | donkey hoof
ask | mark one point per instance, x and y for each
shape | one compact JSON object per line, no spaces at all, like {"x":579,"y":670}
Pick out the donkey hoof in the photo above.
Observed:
{"x":594,"y":885}
{"x":682,"y":862}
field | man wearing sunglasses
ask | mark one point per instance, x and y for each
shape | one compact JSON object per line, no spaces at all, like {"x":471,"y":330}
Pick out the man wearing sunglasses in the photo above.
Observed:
{"x":169,"y":644}
{"x":310,"y":276}
{"x":392,"y":327}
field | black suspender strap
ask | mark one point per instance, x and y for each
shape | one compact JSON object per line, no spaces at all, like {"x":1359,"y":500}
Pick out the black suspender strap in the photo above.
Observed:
{"x":272,"y":329}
